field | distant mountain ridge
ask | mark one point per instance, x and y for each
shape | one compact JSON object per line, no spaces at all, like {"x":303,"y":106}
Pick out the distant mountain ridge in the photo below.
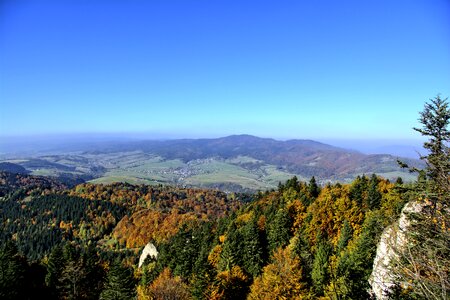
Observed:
{"x":307,"y":157}
{"x":233,"y":163}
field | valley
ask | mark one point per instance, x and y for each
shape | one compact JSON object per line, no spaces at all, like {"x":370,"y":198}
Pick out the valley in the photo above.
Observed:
{"x":234,"y":163}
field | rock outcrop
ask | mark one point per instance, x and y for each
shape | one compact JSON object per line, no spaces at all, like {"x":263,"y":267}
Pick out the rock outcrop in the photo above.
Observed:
{"x":149,"y":250}
{"x":393,"y":240}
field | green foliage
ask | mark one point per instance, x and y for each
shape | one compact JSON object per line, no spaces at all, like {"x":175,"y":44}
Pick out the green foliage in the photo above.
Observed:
{"x":232,"y":249}
{"x":278,"y":234}
{"x":313,"y":188}
{"x":355,"y":266}
{"x":55,"y":266}
{"x":358,"y":189}
{"x":222,"y":249}
{"x":320,"y":273}
{"x":120,"y":283}
{"x":373,"y":194}
{"x":435,"y":120}
{"x":345,"y":236}
{"x":12,"y":272}
{"x":252,"y":251}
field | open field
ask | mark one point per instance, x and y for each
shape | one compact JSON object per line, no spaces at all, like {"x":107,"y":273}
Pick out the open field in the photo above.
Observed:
{"x":236,"y":163}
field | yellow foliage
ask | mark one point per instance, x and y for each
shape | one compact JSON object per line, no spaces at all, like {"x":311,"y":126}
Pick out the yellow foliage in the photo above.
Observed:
{"x":244,"y":218}
{"x":222,"y":238}
{"x":282,"y":279}
{"x":330,"y":210}
{"x":214,"y":256}
{"x":229,"y":282}
{"x":297,"y":212}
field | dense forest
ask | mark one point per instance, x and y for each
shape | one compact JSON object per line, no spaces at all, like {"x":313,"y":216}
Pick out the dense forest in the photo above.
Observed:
{"x":299,"y":241}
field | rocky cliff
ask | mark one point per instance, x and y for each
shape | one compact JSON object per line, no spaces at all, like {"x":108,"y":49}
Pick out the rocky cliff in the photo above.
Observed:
{"x":393,"y":240}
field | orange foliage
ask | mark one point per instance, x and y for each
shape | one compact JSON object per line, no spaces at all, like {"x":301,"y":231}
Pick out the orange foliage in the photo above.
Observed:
{"x":164,"y":287}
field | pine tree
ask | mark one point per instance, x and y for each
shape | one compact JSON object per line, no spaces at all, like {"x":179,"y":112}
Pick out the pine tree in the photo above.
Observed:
{"x":355,"y":265}
{"x":232,"y":249}
{"x":120,"y":283}
{"x":313,"y":188}
{"x":358,"y":189}
{"x":435,"y":120}
{"x":320,"y":273}
{"x":12,"y":272}
{"x":278,"y":233}
{"x":345,"y":236}
{"x":55,"y":266}
{"x":373,"y":194}
{"x":425,"y":260}
{"x":252,"y":255}
{"x":92,"y":282}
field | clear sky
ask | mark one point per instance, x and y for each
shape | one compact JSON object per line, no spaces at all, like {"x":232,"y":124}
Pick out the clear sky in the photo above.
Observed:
{"x":282,"y":69}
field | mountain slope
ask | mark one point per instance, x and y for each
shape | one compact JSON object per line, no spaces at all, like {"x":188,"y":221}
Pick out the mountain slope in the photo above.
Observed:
{"x":304,"y":157}
{"x":233,"y":163}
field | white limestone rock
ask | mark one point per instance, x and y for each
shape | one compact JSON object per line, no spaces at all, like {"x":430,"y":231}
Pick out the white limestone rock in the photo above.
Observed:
{"x":392,"y":240}
{"x":149,"y":250}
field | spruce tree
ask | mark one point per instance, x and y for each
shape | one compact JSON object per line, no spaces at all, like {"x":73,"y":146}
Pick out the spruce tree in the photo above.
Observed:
{"x":252,"y":255}
{"x":435,"y":120}
{"x":278,"y":233}
{"x":373,"y":194}
{"x":313,"y":188}
{"x":92,"y":282}
{"x":320,"y":272}
{"x":12,"y":272}
{"x":425,"y":260}
{"x":345,"y":236}
{"x":358,"y":189}
{"x":231,"y":254}
{"x":55,"y":266}
{"x":119,"y":284}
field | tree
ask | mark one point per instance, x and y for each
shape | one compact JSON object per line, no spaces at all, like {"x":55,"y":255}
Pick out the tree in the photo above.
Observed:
{"x":373,"y":194}
{"x":354,"y":265}
{"x":278,"y":232}
{"x":232,"y":284}
{"x":253,"y":254}
{"x":320,"y":273}
{"x":165,"y":287}
{"x":282,"y":279}
{"x":231,"y":254}
{"x":358,"y":189}
{"x":313,"y":188}
{"x":345,"y":236}
{"x":120,"y":283}
{"x":92,"y":282}
{"x":55,"y":266}
{"x":435,"y":119}
{"x":424,"y":261}
{"x":12,"y":270}
{"x":71,"y":279}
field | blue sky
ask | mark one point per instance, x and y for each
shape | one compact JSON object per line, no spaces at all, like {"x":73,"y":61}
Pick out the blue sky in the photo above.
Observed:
{"x":282,"y":69}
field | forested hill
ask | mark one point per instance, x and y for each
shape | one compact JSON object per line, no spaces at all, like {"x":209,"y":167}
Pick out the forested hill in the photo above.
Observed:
{"x":20,"y":184}
{"x":304,"y":157}
{"x":81,"y":242}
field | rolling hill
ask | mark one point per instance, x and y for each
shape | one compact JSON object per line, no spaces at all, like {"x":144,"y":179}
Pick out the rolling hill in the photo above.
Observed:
{"x":237,"y":162}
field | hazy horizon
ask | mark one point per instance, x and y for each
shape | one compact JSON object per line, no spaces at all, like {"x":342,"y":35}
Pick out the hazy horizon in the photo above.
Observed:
{"x":76,"y":141}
